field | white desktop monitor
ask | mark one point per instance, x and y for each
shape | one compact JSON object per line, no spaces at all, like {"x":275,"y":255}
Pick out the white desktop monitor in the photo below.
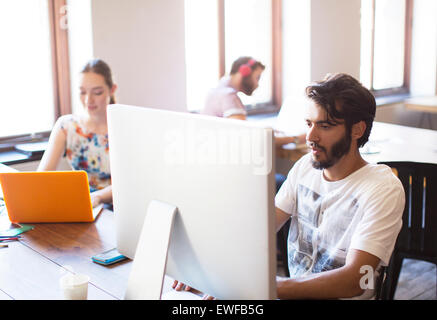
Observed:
{"x":219,"y":173}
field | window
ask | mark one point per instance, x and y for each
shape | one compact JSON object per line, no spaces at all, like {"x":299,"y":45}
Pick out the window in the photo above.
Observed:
{"x":248,"y":32}
{"x":242,"y":28}
{"x":26,"y":79}
{"x":80,"y":45}
{"x":386,"y":45}
{"x":35,"y":64}
{"x":201,"y":50}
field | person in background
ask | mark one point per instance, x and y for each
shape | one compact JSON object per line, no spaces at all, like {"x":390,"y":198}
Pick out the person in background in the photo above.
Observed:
{"x":223,"y":100}
{"x":83,"y":139}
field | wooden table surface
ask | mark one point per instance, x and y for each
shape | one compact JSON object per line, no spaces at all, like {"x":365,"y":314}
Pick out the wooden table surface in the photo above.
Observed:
{"x":423,"y":104}
{"x":31,"y":268}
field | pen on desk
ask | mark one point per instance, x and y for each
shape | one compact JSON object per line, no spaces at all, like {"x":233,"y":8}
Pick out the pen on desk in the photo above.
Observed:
{"x":8,"y":239}
{"x":2,"y":237}
{"x":3,"y":246}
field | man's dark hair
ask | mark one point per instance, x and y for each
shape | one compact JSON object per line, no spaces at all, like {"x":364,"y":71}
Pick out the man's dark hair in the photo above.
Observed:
{"x":244,"y":60}
{"x":345,"y":99}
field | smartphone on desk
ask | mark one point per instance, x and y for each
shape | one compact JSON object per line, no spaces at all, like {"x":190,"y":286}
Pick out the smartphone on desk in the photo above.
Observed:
{"x":108,"y":257}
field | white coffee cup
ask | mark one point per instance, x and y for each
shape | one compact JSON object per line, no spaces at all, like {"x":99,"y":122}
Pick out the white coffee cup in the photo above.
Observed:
{"x":75,"y":286}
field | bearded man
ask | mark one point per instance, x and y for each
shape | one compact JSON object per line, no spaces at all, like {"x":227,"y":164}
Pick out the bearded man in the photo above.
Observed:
{"x":345,"y":213}
{"x":223,"y":100}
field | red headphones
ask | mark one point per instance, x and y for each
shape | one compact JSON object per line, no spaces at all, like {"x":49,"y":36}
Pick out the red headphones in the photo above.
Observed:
{"x":246,"y":69}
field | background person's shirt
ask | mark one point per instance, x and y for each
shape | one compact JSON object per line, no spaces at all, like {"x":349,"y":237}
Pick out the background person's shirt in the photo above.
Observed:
{"x":223,"y":101}
{"x":362,"y":211}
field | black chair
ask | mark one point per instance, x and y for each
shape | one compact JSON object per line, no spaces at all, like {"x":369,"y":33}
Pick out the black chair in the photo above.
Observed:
{"x":282,"y":235}
{"x":418,"y":236}
{"x":282,"y":244}
{"x":379,"y":286}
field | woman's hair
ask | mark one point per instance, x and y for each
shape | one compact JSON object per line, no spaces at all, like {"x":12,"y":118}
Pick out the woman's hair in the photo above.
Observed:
{"x":344,"y":98}
{"x":99,"y":66}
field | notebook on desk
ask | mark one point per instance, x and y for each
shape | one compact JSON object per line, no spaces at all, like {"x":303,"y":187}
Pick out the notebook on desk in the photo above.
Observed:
{"x":46,"y":197}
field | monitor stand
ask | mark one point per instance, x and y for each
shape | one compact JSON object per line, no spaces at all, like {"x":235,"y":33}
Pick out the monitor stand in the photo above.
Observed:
{"x":148,"y":268}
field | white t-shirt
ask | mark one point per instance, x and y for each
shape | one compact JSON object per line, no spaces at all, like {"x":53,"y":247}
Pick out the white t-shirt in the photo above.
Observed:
{"x":362,"y":211}
{"x":223,"y":101}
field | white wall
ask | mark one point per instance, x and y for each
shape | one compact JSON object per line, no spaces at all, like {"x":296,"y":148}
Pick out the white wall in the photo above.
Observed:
{"x":296,"y":58}
{"x":335,"y":37}
{"x":143,"y":42}
{"x":319,"y":37}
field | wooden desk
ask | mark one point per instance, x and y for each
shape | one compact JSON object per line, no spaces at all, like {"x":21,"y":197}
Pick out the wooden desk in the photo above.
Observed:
{"x":393,"y":143}
{"x":31,"y":268}
{"x":427,"y":105}
{"x":423,"y":104}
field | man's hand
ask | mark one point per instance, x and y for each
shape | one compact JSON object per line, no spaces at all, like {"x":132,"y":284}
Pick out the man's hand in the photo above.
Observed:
{"x":178,"y":286}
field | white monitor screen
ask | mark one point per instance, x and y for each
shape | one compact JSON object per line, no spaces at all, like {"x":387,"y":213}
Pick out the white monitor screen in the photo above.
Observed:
{"x":219,"y":173}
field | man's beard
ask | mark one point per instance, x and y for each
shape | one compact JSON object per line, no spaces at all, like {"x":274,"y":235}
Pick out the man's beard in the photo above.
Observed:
{"x":247,"y":86}
{"x":338,"y":150}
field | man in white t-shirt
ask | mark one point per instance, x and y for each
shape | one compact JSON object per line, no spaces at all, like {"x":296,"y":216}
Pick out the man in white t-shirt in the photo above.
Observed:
{"x":345,"y":213}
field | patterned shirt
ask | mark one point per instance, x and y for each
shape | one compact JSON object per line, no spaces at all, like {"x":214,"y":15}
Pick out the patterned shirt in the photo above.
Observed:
{"x":87,"y":151}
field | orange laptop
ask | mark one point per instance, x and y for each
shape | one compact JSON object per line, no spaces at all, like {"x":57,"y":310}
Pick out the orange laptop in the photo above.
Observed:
{"x":53,"y":196}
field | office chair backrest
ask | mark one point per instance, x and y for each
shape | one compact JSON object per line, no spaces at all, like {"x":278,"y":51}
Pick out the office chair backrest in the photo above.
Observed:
{"x":418,"y":235}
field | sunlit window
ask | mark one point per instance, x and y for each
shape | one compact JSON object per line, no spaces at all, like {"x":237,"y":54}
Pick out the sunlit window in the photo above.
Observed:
{"x":389,"y":44}
{"x":247,"y":32}
{"x":201,"y":50}
{"x":383,"y":43}
{"x":80,"y":43}
{"x":26,"y":79}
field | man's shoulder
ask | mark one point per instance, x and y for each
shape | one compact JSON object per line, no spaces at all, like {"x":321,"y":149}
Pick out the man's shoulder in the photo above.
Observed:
{"x":382,"y":173}
{"x":222,"y":90}
{"x":379,"y":179}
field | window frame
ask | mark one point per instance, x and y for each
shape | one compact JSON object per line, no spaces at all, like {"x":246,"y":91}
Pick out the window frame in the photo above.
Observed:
{"x":405,"y":88}
{"x":274,"y":105}
{"x":60,"y":75}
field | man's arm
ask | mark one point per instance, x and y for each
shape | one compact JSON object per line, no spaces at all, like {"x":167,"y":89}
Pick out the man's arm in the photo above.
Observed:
{"x":343,"y":282}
